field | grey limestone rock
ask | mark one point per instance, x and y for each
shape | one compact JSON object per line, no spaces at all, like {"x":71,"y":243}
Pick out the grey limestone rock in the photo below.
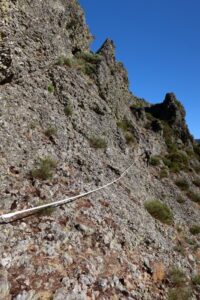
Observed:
{"x":64,"y":106}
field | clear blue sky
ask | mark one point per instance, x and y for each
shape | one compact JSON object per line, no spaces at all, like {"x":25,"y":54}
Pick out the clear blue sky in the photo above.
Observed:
{"x":159,"y":43}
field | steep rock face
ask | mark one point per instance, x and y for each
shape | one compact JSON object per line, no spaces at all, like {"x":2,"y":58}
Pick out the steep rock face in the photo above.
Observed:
{"x":112,"y":78}
{"x":67,"y":126}
{"x":35,"y":34}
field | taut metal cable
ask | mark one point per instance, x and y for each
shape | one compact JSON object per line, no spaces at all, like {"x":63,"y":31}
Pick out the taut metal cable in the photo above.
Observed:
{"x":9,"y":217}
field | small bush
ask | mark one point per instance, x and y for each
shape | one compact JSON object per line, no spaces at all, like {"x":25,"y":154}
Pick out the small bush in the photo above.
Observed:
{"x":177,"y":277}
{"x":180,"y":293}
{"x":129,"y":138}
{"x":168,"y":135}
{"x":68,"y":109}
{"x":180,"y":199}
{"x":65,"y":61}
{"x":50,"y":131}
{"x":87,"y":62}
{"x":45,"y":169}
{"x":176,"y":161}
{"x":183,"y":184}
{"x":127,"y":128}
{"x":180,"y":248}
{"x":46,"y":211}
{"x":195,"y":229}
{"x":89,"y":57}
{"x":190,"y":241}
{"x":98,"y":142}
{"x":164,"y":173}
{"x":83,"y":61}
{"x":155,"y":161}
{"x":190,"y":152}
{"x":89,"y":69}
{"x":159,"y":211}
{"x":33,"y":125}
{"x":51,"y":88}
{"x":196,"y":280}
{"x":125,"y":125}
{"x":193,"y":196}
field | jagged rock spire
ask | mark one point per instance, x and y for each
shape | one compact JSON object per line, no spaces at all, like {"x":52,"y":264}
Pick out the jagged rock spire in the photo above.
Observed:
{"x":108,"y":51}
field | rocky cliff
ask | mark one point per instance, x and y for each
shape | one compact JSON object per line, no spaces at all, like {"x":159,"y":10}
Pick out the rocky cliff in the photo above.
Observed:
{"x":69,"y":124}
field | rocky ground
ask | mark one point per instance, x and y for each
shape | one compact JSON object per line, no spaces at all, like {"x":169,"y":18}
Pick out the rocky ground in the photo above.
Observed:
{"x":69,"y":124}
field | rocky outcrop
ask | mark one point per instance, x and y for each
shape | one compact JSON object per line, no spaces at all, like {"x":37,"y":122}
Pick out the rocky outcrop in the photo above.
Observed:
{"x":69,"y":124}
{"x":112,"y":78}
{"x":172,"y":112}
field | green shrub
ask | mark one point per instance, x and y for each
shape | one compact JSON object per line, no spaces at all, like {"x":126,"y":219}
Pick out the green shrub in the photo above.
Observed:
{"x":180,"y":293}
{"x":98,"y":142}
{"x":196,"y":280}
{"x":129,"y":138}
{"x":159,"y":211}
{"x":65,"y":61}
{"x":127,"y":128}
{"x":176,"y":161}
{"x":68,"y":109}
{"x":45,"y":169}
{"x":190,"y":152}
{"x":164,"y":173}
{"x":155,"y":161}
{"x":83,"y":61}
{"x":180,"y":199}
{"x":45,"y":211}
{"x":190,"y":241}
{"x":51,"y":88}
{"x":88,"y":69}
{"x":125,"y":125}
{"x":172,"y":166}
{"x":87,"y":62}
{"x":180,"y":248}
{"x":183,"y":184}
{"x":195,"y":229}
{"x":193,"y":196}
{"x":168,"y":135}
{"x":177,"y":277}
{"x":50,"y":131}
{"x":89,"y":57}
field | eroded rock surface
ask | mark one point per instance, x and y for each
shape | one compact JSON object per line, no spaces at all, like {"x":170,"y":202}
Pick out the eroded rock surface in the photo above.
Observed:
{"x":69,"y":124}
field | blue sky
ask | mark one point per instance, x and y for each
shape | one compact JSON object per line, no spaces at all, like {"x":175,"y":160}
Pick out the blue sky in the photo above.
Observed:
{"x":159,"y":43}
